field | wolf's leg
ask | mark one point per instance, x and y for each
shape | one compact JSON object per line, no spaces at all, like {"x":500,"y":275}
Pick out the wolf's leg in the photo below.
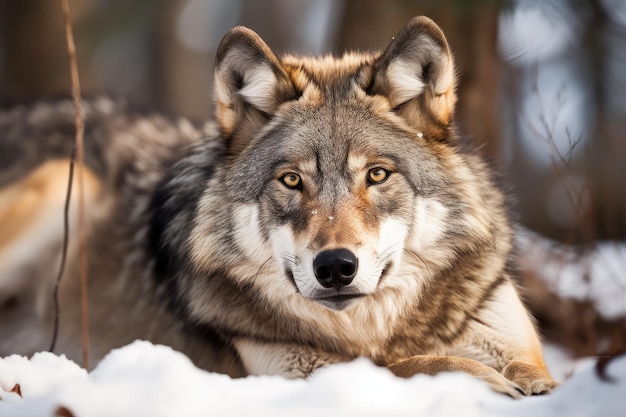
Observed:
{"x":432,"y":365}
{"x":290,"y":361}
{"x":504,"y":337}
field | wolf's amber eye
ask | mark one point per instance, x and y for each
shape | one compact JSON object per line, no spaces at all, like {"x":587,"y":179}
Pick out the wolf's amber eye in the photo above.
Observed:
{"x":377,"y":175}
{"x":292,"y":180}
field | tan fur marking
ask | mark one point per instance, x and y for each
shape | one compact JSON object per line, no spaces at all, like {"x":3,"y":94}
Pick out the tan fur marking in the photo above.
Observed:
{"x":32,"y":197}
{"x":326,"y":70}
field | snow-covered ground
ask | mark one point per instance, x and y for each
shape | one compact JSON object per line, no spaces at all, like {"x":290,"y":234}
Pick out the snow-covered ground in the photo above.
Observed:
{"x":142,"y":379}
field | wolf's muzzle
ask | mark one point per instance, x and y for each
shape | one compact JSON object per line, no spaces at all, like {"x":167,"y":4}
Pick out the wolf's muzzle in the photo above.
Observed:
{"x":335,"y":268}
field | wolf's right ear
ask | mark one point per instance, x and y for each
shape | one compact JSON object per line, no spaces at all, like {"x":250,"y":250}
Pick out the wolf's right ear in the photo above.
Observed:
{"x":250,"y":83}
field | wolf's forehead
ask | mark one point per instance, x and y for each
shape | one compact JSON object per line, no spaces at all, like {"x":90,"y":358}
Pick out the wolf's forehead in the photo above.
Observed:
{"x":344,"y":133}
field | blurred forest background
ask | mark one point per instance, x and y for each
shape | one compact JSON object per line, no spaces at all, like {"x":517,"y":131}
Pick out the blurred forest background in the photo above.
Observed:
{"x":542,"y":88}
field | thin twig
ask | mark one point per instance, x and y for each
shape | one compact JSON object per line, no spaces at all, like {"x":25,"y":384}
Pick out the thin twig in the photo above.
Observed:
{"x":82,"y":230}
{"x":66,"y":236}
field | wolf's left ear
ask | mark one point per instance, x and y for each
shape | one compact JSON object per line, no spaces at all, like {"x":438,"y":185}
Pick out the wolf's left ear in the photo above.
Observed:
{"x":416,"y":74}
{"x":250,"y":83}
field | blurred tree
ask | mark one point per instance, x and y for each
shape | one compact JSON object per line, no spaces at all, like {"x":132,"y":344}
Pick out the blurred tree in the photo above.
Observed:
{"x":606,"y":161}
{"x":35,"y":59}
{"x":579,"y":198}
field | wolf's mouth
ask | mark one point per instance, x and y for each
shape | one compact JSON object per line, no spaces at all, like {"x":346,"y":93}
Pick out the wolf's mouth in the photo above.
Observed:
{"x":338,"y":302}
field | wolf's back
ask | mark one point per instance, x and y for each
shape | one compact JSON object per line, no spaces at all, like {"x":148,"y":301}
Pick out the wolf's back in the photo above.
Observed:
{"x":127,"y":155}
{"x":117,"y":138}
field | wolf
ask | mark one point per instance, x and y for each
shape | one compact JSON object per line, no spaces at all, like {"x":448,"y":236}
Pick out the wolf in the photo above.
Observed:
{"x":330,"y":212}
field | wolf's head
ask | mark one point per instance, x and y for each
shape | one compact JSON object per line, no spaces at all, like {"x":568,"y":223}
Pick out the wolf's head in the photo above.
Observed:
{"x":342,"y":175}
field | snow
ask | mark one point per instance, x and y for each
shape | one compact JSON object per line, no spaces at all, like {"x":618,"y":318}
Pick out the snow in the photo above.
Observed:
{"x":587,"y":274}
{"x":142,"y":379}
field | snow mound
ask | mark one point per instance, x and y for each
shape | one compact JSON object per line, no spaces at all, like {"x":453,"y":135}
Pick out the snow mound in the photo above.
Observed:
{"x":142,"y":379}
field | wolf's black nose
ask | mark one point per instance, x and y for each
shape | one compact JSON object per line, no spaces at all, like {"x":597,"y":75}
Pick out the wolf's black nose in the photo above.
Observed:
{"x":335,"y":268}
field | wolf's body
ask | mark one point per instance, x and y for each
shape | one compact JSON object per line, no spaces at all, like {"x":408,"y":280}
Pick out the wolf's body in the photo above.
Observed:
{"x":330,"y":213}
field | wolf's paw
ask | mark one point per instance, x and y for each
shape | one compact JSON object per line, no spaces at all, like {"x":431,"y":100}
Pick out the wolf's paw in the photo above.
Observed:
{"x":432,"y":365}
{"x":531,"y":379}
{"x":499,"y":383}
{"x":539,"y":386}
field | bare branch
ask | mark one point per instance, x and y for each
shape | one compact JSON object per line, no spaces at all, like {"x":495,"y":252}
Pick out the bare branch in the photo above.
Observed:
{"x":71,"y":50}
